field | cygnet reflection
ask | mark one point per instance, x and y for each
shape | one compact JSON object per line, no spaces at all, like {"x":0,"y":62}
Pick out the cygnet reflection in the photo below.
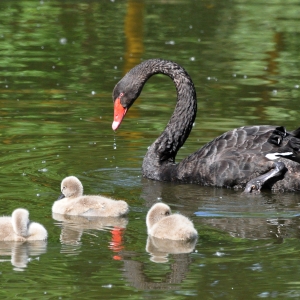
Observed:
{"x":73,"y":227}
{"x":159,"y":249}
{"x":21,"y":253}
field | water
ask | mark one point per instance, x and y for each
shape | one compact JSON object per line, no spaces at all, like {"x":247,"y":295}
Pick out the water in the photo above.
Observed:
{"x":59,"y":62}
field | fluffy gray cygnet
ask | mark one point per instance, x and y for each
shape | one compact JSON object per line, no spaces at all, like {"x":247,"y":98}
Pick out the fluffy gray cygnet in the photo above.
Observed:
{"x":161,"y":223}
{"x":73,"y":202}
{"x":18,"y":227}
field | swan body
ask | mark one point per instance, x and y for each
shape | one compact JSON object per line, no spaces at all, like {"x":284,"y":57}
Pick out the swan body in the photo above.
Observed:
{"x":18,"y":228}
{"x":164,"y":225}
{"x":248,"y":157}
{"x":73,"y":202}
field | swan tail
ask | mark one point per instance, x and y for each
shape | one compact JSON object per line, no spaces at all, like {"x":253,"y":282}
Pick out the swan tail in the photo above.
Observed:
{"x":296,"y":133}
{"x":36,"y":232}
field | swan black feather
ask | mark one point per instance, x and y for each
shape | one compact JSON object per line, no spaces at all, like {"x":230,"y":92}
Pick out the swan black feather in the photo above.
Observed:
{"x":249,"y":157}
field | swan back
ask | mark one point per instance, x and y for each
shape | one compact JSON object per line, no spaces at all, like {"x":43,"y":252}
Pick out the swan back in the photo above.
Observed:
{"x":7,"y":232}
{"x":164,"y":225}
{"x":113,"y":208}
{"x":71,"y":187}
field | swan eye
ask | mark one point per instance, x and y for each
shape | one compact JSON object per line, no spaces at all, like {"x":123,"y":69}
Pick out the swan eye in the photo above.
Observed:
{"x":167,"y":213}
{"x":121,"y":95}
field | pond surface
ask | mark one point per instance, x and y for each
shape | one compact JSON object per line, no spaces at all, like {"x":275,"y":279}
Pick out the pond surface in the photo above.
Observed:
{"x":59,"y":61}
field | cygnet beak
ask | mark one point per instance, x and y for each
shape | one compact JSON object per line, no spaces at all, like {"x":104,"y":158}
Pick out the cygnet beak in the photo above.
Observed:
{"x":61,"y":196}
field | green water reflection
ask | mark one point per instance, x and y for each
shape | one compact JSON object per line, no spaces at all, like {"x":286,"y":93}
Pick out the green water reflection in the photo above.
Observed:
{"x":59,"y":61}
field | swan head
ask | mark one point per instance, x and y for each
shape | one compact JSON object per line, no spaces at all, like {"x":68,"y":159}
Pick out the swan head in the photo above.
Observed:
{"x":72,"y":187}
{"x":126,"y":91}
{"x":115,"y":208}
{"x":157,"y":212}
{"x":130,"y":86}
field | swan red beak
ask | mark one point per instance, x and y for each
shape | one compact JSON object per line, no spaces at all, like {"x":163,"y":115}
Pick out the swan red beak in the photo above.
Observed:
{"x":119,"y":113}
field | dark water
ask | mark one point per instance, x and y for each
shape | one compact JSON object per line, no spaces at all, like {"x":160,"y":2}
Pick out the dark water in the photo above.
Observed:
{"x":59,"y":61}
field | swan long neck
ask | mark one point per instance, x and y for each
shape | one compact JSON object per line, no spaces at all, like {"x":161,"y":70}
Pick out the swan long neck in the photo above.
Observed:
{"x":161,"y":154}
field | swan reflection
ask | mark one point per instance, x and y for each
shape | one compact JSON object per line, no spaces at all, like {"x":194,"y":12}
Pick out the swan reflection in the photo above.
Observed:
{"x":21,"y":253}
{"x":159,"y":249}
{"x":73,"y":227}
{"x":259,"y":216}
{"x":256,"y":228}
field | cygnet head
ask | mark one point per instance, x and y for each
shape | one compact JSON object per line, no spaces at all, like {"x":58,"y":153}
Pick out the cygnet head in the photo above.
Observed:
{"x":23,"y":227}
{"x":71,"y":187}
{"x":164,"y":225}
{"x":157,"y":212}
{"x":20,"y":221}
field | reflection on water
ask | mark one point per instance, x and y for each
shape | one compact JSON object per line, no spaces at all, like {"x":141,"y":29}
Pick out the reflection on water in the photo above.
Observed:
{"x":136,"y":273}
{"x":20,"y":253}
{"x":159,"y":249}
{"x":72,"y":228}
{"x":134,"y":33}
{"x":256,"y":228}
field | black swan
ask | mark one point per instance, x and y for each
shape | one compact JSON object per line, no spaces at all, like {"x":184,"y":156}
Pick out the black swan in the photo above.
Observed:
{"x":249,"y":157}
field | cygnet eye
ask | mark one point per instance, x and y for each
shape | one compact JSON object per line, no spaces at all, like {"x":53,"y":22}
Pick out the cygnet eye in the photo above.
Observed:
{"x":167,"y":213}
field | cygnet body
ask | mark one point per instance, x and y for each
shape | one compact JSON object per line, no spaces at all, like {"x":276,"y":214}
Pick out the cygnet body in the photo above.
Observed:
{"x":73,"y":202}
{"x":18,"y":228}
{"x":161,"y":223}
